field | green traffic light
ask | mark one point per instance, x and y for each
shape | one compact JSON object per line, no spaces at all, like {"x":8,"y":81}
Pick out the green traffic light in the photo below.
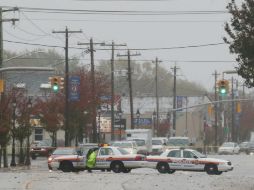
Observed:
{"x":55,"y":88}
{"x":223,"y":91}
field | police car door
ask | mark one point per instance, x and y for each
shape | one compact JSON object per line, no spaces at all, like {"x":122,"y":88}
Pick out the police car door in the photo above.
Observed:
{"x":175,"y":157}
{"x":81,"y":159}
{"x":102,"y":158}
{"x":189,"y":161}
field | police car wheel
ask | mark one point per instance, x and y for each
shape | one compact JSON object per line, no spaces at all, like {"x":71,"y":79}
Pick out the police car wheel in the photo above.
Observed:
{"x":126,"y":170}
{"x":163,"y":168}
{"x":218,"y":172}
{"x":211,"y":169}
{"x":66,"y":166}
{"x":171,"y":171}
{"x":117,"y":167}
{"x":33,"y":157}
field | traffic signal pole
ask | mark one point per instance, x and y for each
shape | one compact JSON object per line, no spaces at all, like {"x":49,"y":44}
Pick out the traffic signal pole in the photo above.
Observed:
{"x":233,"y":111}
{"x":216,"y":109}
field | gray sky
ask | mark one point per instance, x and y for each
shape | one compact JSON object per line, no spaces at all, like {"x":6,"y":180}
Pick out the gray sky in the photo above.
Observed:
{"x":138,"y":31}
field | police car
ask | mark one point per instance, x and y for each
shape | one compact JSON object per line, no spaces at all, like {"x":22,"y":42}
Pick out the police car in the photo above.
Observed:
{"x":189,"y":160}
{"x":109,"y":158}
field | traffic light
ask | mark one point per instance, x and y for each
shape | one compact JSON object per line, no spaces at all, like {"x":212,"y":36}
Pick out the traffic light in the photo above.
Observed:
{"x":1,"y":86}
{"x":55,"y":83}
{"x":238,"y":107}
{"x":210,"y":110}
{"x":61,"y":83}
{"x":223,"y":87}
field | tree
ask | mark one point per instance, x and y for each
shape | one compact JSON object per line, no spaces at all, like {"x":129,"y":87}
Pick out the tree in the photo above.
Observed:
{"x":50,"y":111}
{"x":5,"y":124}
{"x":23,"y":121}
{"x":246,"y":122}
{"x":144,"y":76}
{"x":241,"y":38}
{"x":77,"y":109}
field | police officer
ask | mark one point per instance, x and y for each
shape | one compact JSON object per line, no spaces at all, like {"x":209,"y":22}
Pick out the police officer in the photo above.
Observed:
{"x":91,"y":159}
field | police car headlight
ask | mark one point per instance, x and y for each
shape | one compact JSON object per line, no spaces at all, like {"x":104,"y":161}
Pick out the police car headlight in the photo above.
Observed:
{"x":50,"y":159}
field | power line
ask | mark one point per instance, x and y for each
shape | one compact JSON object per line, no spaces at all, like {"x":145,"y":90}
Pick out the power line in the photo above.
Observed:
{"x":119,"y":12}
{"x":137,"y":60}
{"x":135,"y":49}
{"x":130,"y":21}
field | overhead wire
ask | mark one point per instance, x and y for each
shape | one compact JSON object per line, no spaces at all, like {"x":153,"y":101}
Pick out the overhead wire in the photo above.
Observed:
{"x":118,"y":12}
{"x":24,"y":39}
{"x":141,"y":49}
{"x":131,"y":21}
{"x":39,"y":28}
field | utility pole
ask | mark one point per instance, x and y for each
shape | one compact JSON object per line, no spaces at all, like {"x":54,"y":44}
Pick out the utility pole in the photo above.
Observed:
{"x":237,"y":116}
{"x":66,"y":112}
{"x":13,"y":20}
{"x":130,"y":83}
{"x":215,"y":74}
{"x":174,"y":101}
{"x":233,"y":111}
{"x":91,"y":49}
{"x":113,"y":45}
{"x":156,"y":95}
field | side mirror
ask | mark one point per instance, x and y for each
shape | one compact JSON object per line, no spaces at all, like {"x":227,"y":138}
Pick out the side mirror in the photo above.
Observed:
{"x":195,"y":157}
{"x":79,"y":152}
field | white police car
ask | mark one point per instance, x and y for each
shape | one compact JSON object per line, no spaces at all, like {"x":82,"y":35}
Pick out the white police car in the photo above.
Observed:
{"x":189,"y":160}
{"x":109,"y":158}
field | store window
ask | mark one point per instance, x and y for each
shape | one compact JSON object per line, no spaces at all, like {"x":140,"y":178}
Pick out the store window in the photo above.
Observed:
{"x":38,"y":134}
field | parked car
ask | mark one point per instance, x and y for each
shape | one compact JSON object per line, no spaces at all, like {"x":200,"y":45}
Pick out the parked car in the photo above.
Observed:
{"x":41,"y":149}
{"x":229,"y":148}
{"x":158,"y":146}
{"x":68,"y":152}
{"x":251,"y":147}
{"x":178,"y":142}
{"x":187,"y":160}
{"x":129,"y":146}
{"x":245,"y":147}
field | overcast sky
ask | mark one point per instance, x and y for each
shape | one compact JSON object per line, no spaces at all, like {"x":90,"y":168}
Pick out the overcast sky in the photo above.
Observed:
{"x":166,"y":30}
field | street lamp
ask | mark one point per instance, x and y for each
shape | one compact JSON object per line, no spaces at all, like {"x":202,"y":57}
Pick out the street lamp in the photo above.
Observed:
{"x":169,"y":126}
{"x":85,"y":125}
{"x":99,"y":125}
{"x":154,"y":119}
{"x":27,"y":161}
{"x":120,"y":113}
{"x":138,"y":116}
{"x":14,"y":105}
